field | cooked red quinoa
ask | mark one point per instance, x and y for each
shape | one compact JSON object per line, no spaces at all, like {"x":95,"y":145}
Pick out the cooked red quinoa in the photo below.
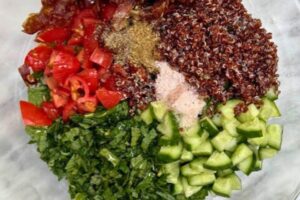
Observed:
{"x":220,"y":48}
{"x":137,"y":84}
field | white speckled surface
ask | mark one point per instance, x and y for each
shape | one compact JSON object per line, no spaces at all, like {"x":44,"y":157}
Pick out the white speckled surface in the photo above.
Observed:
{"x":23,"y":176}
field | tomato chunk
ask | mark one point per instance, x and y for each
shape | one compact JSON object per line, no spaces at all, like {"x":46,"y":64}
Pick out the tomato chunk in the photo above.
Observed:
{"x":38,"y":58}
{"x":50,"y":109}
{"x":109,"y":99}
{"x":64,"y":65}
{"x":91,"y":78}
{"x":78,"y":87}
{"x":58,"y":34}
{"x":102,"y":57}
{"x":77,"y":22}
{"x":108,"y":11}
{"x":87,"y":104}
{"x":60,"y":97}
{"x":33,"y":115}
{"x":69,"y":110}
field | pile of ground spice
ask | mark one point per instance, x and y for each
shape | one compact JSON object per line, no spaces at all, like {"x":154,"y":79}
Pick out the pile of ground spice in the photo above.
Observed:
{"x":136,"y":44}
{"x":221,"y":50}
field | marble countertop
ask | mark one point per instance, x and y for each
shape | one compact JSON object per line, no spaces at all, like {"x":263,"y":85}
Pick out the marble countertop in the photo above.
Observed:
{"x":23,"y":176}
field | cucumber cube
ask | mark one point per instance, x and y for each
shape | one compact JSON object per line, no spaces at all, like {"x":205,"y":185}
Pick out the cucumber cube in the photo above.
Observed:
{"x":201,"y":179}
{"x":250,"y":129}
{"x":274,"y":132}
{"x":241,"y":153}
{"x":249,"y":115}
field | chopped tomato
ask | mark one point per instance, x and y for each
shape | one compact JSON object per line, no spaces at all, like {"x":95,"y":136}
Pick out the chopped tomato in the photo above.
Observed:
{"x":109,"y":99}
{"x":110,"y":83}
{"x":50,"y":109}
{"x":51,"y":82}
{"x":108,"y":11}
{"x":69,"y":110}
{"x":78,"y":86}
{"x":33,"y":115}
{"x":91,"y":78}
{"x":64,"y":65}
{"x":77,"y":22}
{"x":76,"y":39}
{"x":102,"y":57}
{"x":90,"y":43}
{"x":84,"y":59}
{"x":38,"y":58}
{"x":71,"y":49}
{"x":58,"y":34}
{"x":60,"y":97}
{"x":87,"y":104}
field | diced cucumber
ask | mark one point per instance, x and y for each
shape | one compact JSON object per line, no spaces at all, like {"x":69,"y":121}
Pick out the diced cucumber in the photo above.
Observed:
{"x":208,"y":125}
{"x":204,"y":149}
{"x":247,"y":165}
{"x":257,"y":165}
{"x":224,"y":172}
{"x":172,"y":171}
{"x":193,"y":137}
{"x":241,"y":153}
{"x":274,"y":132}
{"x":265,"y":153}
{"x":227,"y":110}
{"x":188,"y":189}
{"x":159,"y":110}
{"x":170,"y":153}
{"x":178,"y":187}
{"x":272,"y":94}
{"x":147,"y":116}
{"x":201,"y":179}
{"x":224,"y":141}
{"x":235,"y":181}
{"x":186,"y":170}
{"x":222,"y":187}
{"x":186,"y":156}
{"x":230,"y":126}
{"x":268,"y":110}
{"x":169,"y":129}
{"x":218,"y":161}
{"x":250,"y":129}
{"x":260,"y":141}
{"x":249,"y":115}
{"x":197,"y":164}
{"x":217,"y":120}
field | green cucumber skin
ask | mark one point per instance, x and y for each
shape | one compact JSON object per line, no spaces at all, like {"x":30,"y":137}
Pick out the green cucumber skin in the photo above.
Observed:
{"x":209,"y":126}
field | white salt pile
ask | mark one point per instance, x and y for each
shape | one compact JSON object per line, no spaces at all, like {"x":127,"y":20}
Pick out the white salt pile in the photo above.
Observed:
{"x":174,"y":91}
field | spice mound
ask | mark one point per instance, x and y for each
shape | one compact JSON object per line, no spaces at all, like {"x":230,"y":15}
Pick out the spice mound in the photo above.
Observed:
{"x":221,"y":50}
{"x":135,"y":44}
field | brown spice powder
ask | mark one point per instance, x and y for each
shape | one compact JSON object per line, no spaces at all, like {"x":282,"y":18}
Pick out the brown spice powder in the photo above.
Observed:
{"x":136,"y":44}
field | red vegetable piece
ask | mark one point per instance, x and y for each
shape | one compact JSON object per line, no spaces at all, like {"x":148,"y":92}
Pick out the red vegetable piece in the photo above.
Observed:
{"x":109,"y":99}
{"x":66,"y":48}
{"x":51,"y":82}
{"x":91,"y":78}
{"x":33,"y":115}
{"x":78,"y":87}
{"x":102,"y":57}
{"x":69,"y":110}
{"x":90,"y":43}
{"x":77,"y":22}
{"x":60,"y":97}
{"x":76,"y":39}
{"x":58,"y":34}
{"x":108,"y":11}
{"x":84,"y":59}
{"x":50,"y":109}
{"x":38,"y":58}
{"x":87,"y":104}
{"x":110,"y":83}
{"x":64,"y":65}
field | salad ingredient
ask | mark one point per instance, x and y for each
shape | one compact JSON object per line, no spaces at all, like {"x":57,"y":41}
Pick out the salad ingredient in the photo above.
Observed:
{"x":102,"y":57}
{"x":171,"y":88}
{"x":135,"y":44}
{"x":63,"y":65}
{"x":49,"y":108}
{"x":93,"y":152}
{"x":109,"y":99}
{"x":33,"y":115}
{"x":38,"y":58}
{"x":38,"y":94}
{"x":223,"y":56}
{"x":58,"y":34}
